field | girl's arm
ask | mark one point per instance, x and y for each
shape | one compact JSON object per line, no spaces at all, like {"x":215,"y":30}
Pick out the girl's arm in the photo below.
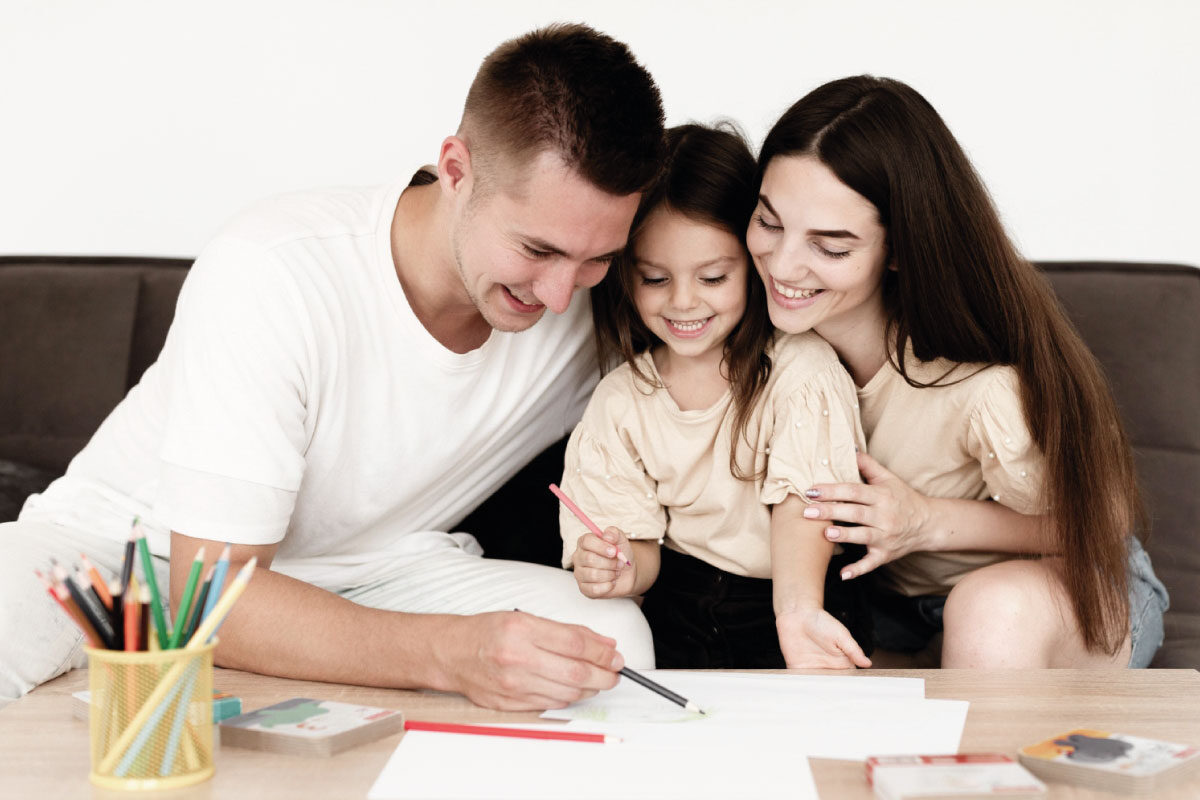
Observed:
{"x":808,"y":635}
{"x":895,"y":520}
{"x":600,"y":573}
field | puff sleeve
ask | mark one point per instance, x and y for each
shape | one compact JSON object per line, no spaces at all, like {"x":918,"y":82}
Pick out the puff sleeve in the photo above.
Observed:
{"x":815,"y":432}
{"x":999,"y":438}
{"x":604,"y":476}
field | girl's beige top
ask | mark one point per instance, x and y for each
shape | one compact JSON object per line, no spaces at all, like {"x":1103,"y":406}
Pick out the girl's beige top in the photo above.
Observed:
{"x":638,"y":462}
{"x":964,"y":438}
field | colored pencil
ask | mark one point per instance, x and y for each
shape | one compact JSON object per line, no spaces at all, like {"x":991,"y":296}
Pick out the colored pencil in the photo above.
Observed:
{"x":118,"y":609}
{"x":208,"y":626}
{"x":156,"y":604}
{"x":93,"y":597}
{"x":578,"y":512}
{"x":218,"y":580}
{"x":144,"y":637}
{"x":198,"y":607}
{"x":185,"y":604}
{"x":103,"y":630}
{"x":661,"y":690}
{"x":127,"y":564}
{"x":98,"y":583}
{"x":516,"y":733}
{"x":80,"y":622}
{"x":133,"y":624}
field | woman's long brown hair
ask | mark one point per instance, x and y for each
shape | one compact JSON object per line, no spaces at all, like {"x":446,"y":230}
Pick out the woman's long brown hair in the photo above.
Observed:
{"x":709,"y":176}
{"x":961,"y":291}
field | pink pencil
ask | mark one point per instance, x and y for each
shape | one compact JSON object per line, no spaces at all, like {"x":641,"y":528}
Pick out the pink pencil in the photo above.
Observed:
{"x":574,"y":509}
{"x":518,"y":733}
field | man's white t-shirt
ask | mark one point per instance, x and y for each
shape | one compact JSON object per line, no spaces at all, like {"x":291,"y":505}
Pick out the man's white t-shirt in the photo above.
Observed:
{"x":298,"y":400}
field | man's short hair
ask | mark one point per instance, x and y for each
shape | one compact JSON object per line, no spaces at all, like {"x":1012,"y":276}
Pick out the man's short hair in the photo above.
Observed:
{"x":572,"y":90}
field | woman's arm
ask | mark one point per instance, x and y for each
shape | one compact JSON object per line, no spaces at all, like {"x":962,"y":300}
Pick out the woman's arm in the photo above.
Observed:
{"x":895,"y":520}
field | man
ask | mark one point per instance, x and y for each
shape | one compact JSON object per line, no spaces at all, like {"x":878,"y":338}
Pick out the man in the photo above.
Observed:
{"x":348,"y":374}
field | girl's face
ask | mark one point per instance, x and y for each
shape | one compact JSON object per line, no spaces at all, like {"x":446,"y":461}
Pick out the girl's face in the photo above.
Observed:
{"x":820,"y":249}
{"x":689,"y":282}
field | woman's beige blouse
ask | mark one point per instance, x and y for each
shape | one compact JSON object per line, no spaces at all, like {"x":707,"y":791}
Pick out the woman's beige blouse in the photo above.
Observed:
{"x":964,"y":438}
{"x":640,"y":463}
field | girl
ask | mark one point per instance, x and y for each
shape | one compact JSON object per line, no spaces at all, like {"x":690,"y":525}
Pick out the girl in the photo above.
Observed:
{"x":705,"y":425}
{"x":997,"y":429}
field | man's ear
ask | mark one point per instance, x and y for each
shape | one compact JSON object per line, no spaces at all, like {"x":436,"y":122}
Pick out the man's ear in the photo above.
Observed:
{"x":454,"y":165}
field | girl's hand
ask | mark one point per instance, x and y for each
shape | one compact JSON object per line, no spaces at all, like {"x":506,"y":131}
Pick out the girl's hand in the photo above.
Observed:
{"x":892,"y":516}
{"x":605,"y":566}
{"x":812,"y":639}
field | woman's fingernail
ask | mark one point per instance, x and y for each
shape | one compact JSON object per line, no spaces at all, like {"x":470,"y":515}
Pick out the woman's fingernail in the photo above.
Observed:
{"x":812,"y":512}
{"x":832,"y":533}
{"x":847,"y":575}
{"x":812,"y":492}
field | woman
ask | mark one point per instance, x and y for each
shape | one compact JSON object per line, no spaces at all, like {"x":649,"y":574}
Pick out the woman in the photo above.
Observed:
{"x":996,"y":426}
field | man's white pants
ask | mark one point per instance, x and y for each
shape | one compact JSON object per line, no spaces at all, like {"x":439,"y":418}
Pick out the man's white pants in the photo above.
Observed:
{"x":39,"y":642}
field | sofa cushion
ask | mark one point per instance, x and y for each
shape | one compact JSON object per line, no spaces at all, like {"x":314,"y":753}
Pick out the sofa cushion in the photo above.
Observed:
{"x":17,"y":482}
{"x":65,"y":359}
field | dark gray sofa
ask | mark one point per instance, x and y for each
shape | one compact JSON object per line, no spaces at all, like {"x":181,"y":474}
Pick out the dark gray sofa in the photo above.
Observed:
{"x":78,"y":333}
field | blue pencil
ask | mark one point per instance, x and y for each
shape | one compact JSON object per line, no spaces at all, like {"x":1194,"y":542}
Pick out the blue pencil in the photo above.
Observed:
{"x":218,"y":582}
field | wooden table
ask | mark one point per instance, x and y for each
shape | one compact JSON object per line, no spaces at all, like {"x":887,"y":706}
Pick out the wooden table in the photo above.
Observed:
{"x":44,"y":750}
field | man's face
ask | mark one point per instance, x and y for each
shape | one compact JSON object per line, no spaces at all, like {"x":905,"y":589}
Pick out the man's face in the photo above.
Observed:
{"x":535,"y":236}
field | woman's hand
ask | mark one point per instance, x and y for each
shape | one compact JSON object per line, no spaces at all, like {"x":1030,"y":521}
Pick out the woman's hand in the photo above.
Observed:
{"x":891,"y":515}
{"x":605,"y":566}
{"x":811,"y":638}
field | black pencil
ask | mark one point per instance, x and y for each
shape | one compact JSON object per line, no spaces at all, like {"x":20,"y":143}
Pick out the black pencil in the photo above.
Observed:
{"x":98,"y":621}
{"x":659,"y":689}
{"x":198,"y":609}
{"x":127,"y":567}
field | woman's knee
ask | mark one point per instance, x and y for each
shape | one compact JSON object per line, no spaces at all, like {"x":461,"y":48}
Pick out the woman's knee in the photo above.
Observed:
{"x":1006,"y":614}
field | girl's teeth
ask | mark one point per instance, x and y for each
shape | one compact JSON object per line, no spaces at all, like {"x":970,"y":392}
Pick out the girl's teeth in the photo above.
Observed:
{"x":793,"y":294}
{"x":689,"y":326}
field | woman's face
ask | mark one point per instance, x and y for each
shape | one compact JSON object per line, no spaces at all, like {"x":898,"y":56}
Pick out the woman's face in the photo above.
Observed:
{"x":820,"y":250}
{"x":690,"y":283}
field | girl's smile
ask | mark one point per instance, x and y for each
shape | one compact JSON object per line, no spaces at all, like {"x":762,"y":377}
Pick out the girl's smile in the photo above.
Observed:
{"x":690,"y":283}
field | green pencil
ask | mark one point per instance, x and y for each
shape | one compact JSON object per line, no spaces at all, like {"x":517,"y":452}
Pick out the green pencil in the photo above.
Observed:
{"x":160,"y":619}
{"x":185,"y":604}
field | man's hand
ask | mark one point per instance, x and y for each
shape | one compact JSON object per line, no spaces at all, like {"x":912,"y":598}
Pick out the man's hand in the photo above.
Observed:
{"x":599,"y":567}
{"x":512,"y":661}
{"x":812,"y":639}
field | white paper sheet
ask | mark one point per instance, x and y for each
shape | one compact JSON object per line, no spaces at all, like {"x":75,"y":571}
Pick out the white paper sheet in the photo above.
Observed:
{"x":852,"y":729}
{"x":439,"y":766}
{"x":726,"y":694}
{"x":753,"y":742}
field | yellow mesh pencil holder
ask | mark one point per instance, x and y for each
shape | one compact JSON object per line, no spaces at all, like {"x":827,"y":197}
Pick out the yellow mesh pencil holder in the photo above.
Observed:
{"x":151,"y":717}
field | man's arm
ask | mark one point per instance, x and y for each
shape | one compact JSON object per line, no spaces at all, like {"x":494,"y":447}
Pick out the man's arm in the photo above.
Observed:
{"x":506,"y":660}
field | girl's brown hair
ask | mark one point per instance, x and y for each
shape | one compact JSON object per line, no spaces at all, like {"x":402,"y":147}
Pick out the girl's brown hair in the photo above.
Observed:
{"x":961,"y":291}
{"x":709,"y":177}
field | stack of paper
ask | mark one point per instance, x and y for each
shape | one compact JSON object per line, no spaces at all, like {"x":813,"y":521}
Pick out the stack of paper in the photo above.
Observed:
{"x":1115,"y":762}
{"x":750,"y":743}
{"x":302,"y":726}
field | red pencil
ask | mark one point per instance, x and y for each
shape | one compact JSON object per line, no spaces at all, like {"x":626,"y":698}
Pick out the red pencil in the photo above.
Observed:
{"x":133,"y":624}
{"x":517,"y":733}
{"x":574,"y":509}
{"x":68,"y":605}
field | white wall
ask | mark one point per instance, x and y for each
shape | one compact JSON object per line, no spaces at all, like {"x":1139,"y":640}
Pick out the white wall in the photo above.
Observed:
{"x":138,"y":127}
